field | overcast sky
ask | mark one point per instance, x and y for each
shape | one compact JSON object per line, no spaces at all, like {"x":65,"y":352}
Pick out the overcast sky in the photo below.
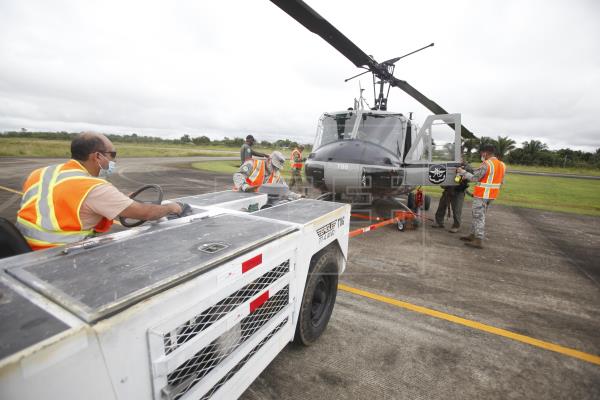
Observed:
{"x":524,"y":69}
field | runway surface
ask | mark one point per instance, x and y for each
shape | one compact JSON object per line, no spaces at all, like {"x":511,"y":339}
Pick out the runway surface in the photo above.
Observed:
{"x":538,"y":277}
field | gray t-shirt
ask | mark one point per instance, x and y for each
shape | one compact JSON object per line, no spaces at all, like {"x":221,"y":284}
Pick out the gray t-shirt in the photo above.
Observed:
{"x":245,"y":153}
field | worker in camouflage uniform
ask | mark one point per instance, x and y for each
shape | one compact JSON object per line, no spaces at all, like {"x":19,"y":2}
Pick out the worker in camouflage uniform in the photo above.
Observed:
{"x":489,"y":177}
{"x":452,"y":200}
{"x":297,"y":163}
{"x":256,"y":172}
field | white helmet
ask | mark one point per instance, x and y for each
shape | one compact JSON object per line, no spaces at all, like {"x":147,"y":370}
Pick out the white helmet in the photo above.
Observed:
{"x":277,"y":159}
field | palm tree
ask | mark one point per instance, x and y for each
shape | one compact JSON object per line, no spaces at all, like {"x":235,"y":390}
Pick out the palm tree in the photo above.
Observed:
{"x":504,"y":145}
{"x":486,"y":140}
{"x":533,"y":147}
{"x":469,"y":145}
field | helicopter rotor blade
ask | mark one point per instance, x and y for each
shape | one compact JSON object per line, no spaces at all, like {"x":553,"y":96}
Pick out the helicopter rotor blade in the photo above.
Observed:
{"x":315,"y":23}
{"x":426,"y":102}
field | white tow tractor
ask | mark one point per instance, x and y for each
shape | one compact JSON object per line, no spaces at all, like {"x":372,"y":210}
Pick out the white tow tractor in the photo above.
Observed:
{"x":191,"y":308}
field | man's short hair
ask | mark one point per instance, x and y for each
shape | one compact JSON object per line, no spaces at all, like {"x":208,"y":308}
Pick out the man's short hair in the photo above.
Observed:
{"x":488,"y":148}
{"x":85,"y":144}
{"x":250,"y":137}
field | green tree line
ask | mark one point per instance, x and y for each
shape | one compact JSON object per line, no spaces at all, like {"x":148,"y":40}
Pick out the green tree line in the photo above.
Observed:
{"x":532,"y":152}
{"x":135,"y":138}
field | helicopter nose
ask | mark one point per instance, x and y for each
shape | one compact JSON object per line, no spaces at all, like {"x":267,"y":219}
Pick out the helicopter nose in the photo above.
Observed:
{"x":315,"y":174}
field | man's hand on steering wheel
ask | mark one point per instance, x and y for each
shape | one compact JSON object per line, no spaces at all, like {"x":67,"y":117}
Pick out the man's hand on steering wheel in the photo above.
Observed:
{"x":141,"y":211}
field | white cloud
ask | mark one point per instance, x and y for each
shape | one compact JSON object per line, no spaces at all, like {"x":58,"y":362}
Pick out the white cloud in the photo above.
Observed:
{"x":522,"y":69}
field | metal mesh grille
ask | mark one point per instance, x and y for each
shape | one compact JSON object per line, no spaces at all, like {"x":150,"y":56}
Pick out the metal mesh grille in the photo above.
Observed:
{"x":182,"y":379}
{"x":192,"y":327}
{"x":243,"y":361}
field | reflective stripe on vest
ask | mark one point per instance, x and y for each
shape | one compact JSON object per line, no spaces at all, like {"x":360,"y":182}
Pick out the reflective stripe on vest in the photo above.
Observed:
{"x":38,"y":217}
{"x":257,"y":176}
{"x":46,"y":238}
{"x":489,"y":185}
{"x":275,"y":177}
{"x":297,"y":165}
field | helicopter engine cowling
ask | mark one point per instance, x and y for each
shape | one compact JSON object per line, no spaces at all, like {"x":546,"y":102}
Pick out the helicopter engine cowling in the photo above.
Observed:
{"x":354,"y":167}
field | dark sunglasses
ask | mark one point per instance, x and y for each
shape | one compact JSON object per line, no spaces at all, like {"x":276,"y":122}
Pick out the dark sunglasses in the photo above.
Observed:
{"x":113,"y":154}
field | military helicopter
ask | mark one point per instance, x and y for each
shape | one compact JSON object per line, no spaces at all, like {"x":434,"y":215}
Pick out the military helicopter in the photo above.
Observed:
{"x":370,"y":151}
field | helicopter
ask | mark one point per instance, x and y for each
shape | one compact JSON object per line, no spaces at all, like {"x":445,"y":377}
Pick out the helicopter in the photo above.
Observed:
{"x":367,"y":152}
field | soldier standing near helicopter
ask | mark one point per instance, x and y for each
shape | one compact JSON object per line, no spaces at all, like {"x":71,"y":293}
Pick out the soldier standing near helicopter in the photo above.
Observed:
{"x":297,"y":163}
{"x":452,"y":200}
{"x":247,"y":152}
{"x":490,"y":176}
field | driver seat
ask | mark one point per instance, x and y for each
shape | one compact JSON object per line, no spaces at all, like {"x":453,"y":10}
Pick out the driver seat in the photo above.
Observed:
{"x":12,"y":243}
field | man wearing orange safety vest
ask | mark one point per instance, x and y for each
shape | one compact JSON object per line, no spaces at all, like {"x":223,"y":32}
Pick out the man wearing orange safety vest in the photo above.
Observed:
{"x":297,"y":163}
{"x":255,"y":172}
{"x":69,"y":202}
{"x":489,"y":177}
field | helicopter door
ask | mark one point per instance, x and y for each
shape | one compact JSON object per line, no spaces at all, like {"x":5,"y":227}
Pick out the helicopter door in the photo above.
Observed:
{"x":435,"y":152}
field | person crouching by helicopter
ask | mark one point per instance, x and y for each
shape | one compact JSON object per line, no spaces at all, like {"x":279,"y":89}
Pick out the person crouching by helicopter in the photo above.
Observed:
{"x":255,"y":172}
{"x":452,"y":200}
{"x":489,"y":177}
{"x":297,"y":163}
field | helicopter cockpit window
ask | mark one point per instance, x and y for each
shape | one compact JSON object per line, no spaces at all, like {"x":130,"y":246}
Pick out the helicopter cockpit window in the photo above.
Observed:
{"x":334,"y":127}
{"x":442,"y":142}
{"x":382,"y":129}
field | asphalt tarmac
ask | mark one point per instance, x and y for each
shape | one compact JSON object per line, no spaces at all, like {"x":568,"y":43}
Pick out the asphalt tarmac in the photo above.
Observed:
{"x":538,"y":278}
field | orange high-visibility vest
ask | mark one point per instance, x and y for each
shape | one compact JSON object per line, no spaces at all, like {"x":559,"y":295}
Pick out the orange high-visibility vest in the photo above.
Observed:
{"x":296,"y":165}
{"x":257,"y":175}
{"x":52,"y":198}
{"x":488,"y":186}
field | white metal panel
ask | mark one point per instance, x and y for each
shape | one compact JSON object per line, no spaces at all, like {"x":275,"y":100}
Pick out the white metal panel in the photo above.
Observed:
{"x":71,"y":365}
{"x":123,"y":336}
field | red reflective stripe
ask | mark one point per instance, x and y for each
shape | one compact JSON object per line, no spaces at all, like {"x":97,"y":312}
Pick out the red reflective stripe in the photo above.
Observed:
{"x":259,"y":301}
{"x":251,"y":263}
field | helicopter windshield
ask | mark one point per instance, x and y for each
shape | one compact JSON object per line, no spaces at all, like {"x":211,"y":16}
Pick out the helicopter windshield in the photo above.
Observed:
{"x":382,"y":129}
{"x":333,"y":127}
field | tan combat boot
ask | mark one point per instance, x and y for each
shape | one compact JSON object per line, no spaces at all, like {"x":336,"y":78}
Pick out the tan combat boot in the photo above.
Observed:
{"x":468,"y":238}
{"x":476,"y":243}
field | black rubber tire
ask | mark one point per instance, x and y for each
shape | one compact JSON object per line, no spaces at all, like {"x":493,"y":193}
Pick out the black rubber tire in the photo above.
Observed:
{"x":401,"y":226}
{"x":427,"y":202}
{"x":318,"y":299}
{"x":410,"y":201}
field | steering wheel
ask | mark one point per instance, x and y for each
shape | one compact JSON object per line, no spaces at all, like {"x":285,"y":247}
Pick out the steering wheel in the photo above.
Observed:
{"x":126,"y":222}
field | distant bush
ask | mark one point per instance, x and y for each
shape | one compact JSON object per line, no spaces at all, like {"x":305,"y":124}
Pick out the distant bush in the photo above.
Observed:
{"x":135,"y":138}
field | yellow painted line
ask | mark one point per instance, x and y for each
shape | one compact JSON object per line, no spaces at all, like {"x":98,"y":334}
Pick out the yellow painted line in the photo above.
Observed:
{"x":591,"y":358}
{"x":11,"y":190}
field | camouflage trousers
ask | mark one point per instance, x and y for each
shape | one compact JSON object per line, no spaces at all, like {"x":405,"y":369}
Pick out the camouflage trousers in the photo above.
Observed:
{"x":480,"y":207}
{"x":296,"y":179}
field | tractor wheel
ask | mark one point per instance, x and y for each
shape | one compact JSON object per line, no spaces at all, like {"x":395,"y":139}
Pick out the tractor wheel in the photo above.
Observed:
{"x":318,"y":299}
{"x":401,"y":226}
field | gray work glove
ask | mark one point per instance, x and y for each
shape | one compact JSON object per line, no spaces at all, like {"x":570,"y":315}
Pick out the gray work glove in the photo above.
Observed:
{"x":186,"y":209}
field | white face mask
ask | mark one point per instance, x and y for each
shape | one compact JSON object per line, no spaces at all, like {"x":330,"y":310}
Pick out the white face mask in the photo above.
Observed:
{"x":482,"y":158}
{"x":105,"y":173}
